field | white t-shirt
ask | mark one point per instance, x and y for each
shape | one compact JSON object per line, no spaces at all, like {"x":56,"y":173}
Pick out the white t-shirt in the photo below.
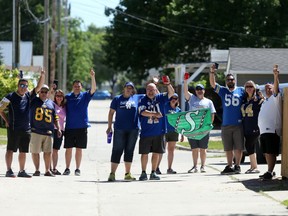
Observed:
{"x":270,"y":116}
{"x":196,"y":103}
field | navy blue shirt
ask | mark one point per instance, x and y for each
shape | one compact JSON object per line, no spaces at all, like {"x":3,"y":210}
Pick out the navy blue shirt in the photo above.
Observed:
{"x":169,"y":110}
{"x":19,"y":111}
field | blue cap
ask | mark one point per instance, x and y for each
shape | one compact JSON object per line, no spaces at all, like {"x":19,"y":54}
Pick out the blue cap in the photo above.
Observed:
{"x":129,"y":84}
{"x":199,"y":86}
{"x":174,"y":95}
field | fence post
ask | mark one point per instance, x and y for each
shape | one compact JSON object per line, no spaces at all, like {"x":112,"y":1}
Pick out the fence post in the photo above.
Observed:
{"x":284,"y":151}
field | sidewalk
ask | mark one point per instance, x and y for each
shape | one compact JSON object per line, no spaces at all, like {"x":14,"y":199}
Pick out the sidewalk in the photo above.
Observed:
{"x":181,"y":194}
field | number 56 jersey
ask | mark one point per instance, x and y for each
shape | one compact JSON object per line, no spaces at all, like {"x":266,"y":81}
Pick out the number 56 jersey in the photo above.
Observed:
{"x":42,"y":116}
{"x":231,"y":103}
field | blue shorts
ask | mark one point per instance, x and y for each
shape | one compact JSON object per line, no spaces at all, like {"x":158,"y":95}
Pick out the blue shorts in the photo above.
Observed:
{"x":124,"y":141}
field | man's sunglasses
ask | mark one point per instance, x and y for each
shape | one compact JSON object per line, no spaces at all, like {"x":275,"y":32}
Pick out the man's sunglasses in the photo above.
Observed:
{"x":23,"y":86}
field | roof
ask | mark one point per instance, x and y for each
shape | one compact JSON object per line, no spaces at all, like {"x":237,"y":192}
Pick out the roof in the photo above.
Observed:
{"x":256,"y":60}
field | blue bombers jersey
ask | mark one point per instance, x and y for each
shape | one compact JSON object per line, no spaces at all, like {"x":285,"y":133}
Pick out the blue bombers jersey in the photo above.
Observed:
{"x":126,"y":111}
{"x":153,"y":126}
{"x":231,"y":103}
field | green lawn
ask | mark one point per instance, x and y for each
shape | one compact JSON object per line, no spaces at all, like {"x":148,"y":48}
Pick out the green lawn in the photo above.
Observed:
{"x":215,"y":145}
{"x":3,"y":136}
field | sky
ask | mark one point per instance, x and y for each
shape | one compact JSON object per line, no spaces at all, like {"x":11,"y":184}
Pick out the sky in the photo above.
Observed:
{"x":92,"y":11}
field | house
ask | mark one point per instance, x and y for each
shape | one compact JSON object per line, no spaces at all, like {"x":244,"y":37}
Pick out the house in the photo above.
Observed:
{"x":257,"y":64}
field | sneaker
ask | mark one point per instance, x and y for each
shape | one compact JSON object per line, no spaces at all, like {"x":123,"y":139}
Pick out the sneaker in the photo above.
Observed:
{"x":129,"y":177}
{"x":228,"y":171}
{"x":36,"y":173}
{"x":143,"y":176}
{"x":153,"y":176}
{"x":237,"y":169}
{"x":66,"y":171}
{"x":111,"y":177}
{"x":55,"y":172}
{"x":171,"y":171}
{"x":193,"y":170}
{"x":77,"y":172}
{"x":158,"y":171}
{"x":202,"y":169}
{"x":10,"y":174}
{"x":267,"y":175}
{"x":50,"y":174}
{"x":23,"y":174}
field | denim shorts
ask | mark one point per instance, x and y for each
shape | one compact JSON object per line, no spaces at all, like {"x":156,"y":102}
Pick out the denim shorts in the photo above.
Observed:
{"x":124,"y":141}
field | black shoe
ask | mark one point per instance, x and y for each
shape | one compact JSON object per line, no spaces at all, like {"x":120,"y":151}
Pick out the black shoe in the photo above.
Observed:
{"x":228,"y":171}
{"x":158,"y":171}
{"x":23,"y":174}
{"x":10,"y":174}
{"x":267,"y":175}
{"x":237,"y":169}
{"x":36,"y":173}
{"x":55,"y":172}
{"x":77,"y":172}
{"x":153,"y":176}
{"x":50,"y":174}
{"x":143,"y":176}
{"x":66,"y":172}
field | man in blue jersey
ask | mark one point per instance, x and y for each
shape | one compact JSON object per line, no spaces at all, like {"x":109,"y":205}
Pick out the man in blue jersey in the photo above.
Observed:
{"x":77,"y":122}
{"x":18,"y":124}
{"x":232,"y":129}
{"x":153,"y":127}
{"x":43,"y":117}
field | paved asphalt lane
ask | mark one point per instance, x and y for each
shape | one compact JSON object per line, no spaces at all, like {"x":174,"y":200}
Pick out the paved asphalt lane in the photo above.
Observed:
{"x":181,"y":194}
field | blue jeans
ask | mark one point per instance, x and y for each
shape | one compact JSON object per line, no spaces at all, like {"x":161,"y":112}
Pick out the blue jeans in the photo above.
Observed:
{"x":124,"y":141}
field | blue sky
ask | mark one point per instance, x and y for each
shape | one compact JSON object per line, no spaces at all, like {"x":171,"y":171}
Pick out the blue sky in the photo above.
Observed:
{"x":92,"y":11}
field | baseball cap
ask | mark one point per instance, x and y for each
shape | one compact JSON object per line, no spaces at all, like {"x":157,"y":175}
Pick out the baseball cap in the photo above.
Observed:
{"x":45,"y":87}
{"x":129,"y":84}
{"x":174,"y":95}
{"x":199,"y":86}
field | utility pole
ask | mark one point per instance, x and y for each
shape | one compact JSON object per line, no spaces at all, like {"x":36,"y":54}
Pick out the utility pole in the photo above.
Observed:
{"x":53,"y":44}
{"x":46,"y":40}
{"x":16,"y":35}
{"x":64,"y":83}
{"x":59,"y":46}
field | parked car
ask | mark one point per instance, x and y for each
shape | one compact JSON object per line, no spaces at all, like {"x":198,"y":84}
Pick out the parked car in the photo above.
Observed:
{"x":101,"y":95}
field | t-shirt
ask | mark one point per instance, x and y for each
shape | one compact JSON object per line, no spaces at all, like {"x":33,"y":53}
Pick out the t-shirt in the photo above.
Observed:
{"x":61,"y":112}
{"x":77,"y":110}
{"x":19,"y":110}
{"x":196,"y":103}
{"x":126,"y":111}
{"x":169,"y":110}
{"x":231,"y":103}
{"x":149,"y":126}
{"x":250,"y":112}
{"x":269,"y":119}
{"x":43,"y":116}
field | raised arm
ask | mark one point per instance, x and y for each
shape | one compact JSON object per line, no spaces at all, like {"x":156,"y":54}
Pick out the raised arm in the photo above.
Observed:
{"x":40,"y":81}
{"x":187,"y":94}
{"x":276,"y":79}
{"x":93,"y":81}
{"x":212,"y":76}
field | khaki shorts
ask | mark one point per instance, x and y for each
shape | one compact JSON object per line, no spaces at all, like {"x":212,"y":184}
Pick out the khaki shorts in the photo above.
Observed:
{"x":39,"y":143}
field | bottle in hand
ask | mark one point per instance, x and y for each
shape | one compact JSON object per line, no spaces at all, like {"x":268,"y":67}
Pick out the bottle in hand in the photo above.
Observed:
{"x":109,"y":137}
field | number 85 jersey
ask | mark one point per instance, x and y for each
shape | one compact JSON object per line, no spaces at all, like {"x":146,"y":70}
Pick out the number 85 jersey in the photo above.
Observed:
{"x":231,"y":103}
{"x":42,"y":116}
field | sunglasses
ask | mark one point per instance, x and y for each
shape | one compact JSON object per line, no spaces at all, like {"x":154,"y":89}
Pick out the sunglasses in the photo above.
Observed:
{"x":174,"y":98}
{"x":43,"y":92}
{"x":23,"y":86}
{"x":199,"y":89}
{"x":249,"y":86}
{"x":229,"y":80}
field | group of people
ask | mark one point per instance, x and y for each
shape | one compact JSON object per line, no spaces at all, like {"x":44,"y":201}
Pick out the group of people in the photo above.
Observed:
{"x":135,"y":111}
{"x":248,"y":115}
{"x":35,"y":124}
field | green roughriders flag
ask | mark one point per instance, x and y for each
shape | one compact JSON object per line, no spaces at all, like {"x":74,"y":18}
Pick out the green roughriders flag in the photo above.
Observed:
{"x":192,"y":124}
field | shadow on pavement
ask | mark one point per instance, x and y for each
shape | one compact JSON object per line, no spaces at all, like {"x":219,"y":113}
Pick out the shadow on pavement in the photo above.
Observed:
{"x":258,"y":185}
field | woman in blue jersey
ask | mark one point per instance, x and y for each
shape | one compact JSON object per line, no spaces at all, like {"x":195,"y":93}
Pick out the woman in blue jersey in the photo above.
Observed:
{"x":250,"y":110}
{"x":126,"y":129}
{"x":171,"y":136}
